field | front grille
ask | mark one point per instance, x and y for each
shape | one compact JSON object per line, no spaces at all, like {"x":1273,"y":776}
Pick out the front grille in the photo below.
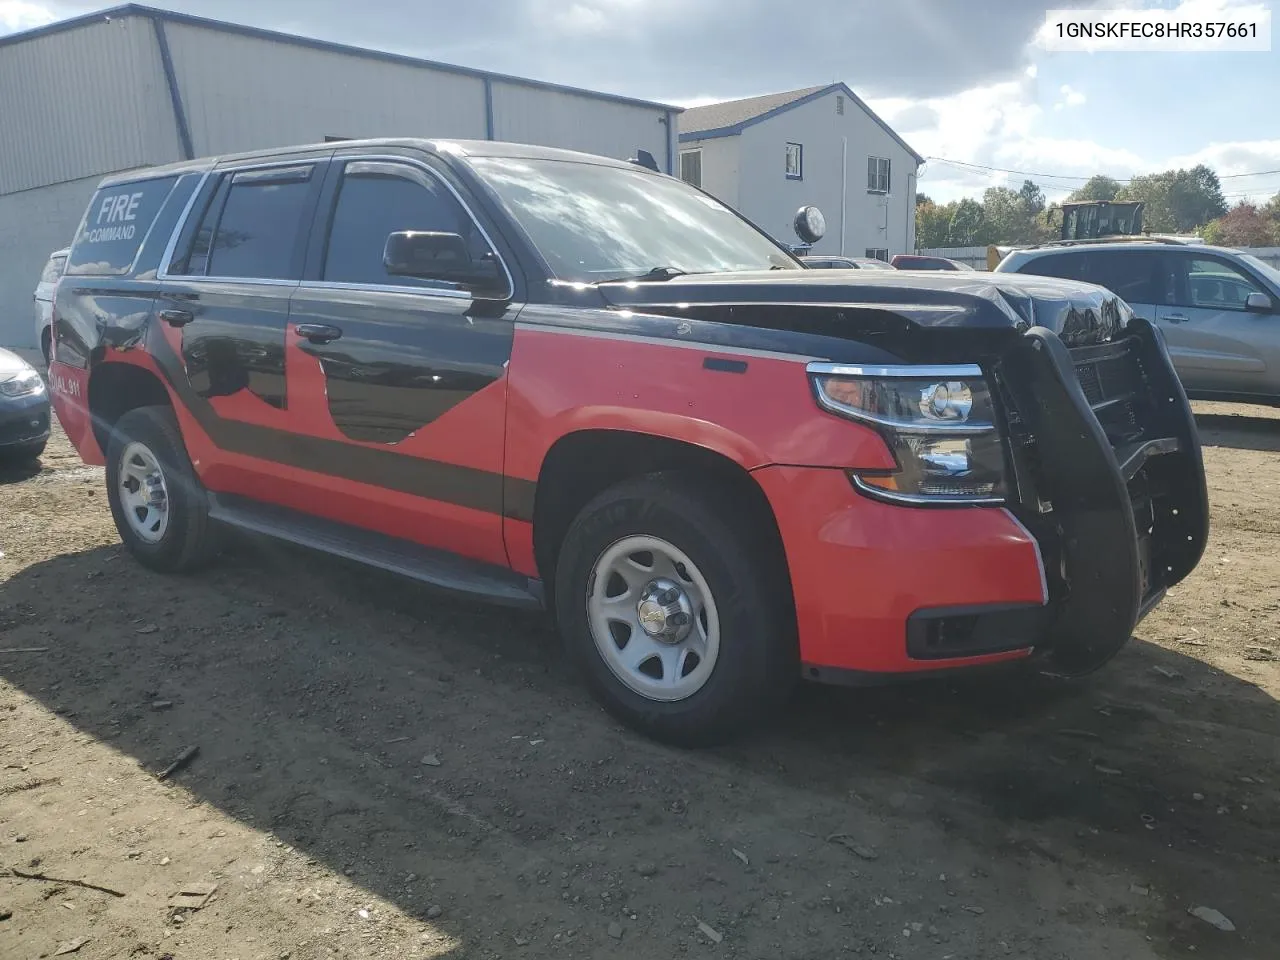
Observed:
{"x":1112,"y":380}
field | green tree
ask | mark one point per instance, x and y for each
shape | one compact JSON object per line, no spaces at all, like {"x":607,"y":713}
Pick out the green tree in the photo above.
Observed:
{"x":1177,"y":201}
{"x":967,"y":227}
{"x":923,"y":198}
{"x":1014,"y":216}
{"x":1099,"y":187}
{"x":932,"y":223}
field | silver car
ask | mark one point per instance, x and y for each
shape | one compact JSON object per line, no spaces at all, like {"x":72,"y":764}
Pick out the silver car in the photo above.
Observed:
{"x":43,"y":300}
{"x":1219,"y":309}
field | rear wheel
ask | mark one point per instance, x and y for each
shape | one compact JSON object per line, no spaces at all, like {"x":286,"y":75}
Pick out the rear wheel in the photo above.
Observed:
{"x":677,"y":613}
{"x":158,"y":504}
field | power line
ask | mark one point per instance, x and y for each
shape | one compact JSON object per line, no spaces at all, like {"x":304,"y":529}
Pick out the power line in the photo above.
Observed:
{"x":1080,"y":177}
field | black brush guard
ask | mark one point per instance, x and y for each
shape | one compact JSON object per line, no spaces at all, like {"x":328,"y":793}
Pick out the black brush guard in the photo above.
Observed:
{"x":1106,"y":462}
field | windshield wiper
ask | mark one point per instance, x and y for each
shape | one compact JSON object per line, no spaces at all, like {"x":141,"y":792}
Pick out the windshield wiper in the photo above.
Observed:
{"x":657,"y":273}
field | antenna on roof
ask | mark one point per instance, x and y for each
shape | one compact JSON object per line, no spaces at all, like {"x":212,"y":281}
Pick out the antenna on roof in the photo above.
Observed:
{"x":644,"y":158}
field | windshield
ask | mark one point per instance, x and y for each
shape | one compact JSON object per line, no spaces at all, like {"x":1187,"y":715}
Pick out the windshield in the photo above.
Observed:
{"x":1264,"y":268}
{"x":592,"y":222}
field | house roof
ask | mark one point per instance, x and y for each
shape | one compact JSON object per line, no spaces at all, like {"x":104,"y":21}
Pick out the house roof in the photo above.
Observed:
{"x":730,"y":118}
{"x":169,"y":16}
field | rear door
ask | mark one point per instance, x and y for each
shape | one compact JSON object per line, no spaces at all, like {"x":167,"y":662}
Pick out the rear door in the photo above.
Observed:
{"x":1222,"y":346}
{"x":224,"y":308}
{"x":408,"y":375}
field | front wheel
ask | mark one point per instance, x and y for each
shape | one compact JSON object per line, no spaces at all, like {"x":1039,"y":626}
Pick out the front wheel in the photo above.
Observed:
{"x":677,"y":614}
{"x":158,"y":504}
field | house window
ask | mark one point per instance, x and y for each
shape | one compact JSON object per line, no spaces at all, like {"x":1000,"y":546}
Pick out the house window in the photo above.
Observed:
{"x":795,"y":161}
{"x":877,"y":175}
{"x":878,"y":253}
{"x":840,"y":104}
{"x":691,"y":167}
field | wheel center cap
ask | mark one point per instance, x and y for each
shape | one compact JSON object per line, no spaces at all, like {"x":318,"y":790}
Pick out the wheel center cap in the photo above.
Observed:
{"x":665,"y":611}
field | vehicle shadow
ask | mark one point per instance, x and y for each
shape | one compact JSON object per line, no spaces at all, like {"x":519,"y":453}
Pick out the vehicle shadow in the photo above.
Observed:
{"x":315,"y":689}
{"x":1238,"y":430}
{"x":18,"y":472}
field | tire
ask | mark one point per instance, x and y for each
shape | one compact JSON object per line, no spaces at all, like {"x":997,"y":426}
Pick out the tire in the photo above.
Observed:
{"x":22,"y":454}
{"x":753,"y":659}
{"x":180,"y":538}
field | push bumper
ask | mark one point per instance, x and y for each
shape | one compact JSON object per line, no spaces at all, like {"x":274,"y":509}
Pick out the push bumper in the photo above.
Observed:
{"x":1110,"y":511}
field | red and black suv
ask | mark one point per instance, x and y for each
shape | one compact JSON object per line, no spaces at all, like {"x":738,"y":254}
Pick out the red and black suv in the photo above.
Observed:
{"x":555,"y":379}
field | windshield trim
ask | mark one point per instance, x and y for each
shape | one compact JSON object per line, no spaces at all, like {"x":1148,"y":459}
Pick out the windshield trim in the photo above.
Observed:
{"x":475,"y":165}
{"x":1268,"y":272}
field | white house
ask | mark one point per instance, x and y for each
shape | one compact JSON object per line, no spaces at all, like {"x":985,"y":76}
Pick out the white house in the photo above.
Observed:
{"x":768,"y":156}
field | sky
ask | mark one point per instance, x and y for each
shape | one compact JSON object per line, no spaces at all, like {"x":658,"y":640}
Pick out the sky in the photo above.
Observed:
{"x":962,"y":81}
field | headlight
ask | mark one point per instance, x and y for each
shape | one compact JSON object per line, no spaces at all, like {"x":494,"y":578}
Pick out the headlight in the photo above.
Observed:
{"x":24,"y":384}
{"x":939,"y":422}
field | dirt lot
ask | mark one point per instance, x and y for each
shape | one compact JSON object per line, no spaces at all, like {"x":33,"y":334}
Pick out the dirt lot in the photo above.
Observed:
{"x":385,"y":773}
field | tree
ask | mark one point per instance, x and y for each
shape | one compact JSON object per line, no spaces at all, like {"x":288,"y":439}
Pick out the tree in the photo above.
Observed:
{"x":1244,"y":225}
{"x":1014,"y":216}
{"x":1177,"y":201}
{"x":932,"y":223}
{"x":1099,"y":187}
{"x":967,"y":227}
{"x":923,"y":198}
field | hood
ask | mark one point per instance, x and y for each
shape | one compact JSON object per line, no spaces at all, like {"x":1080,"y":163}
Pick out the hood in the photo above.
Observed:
{"x":11,"y":364}
{"x":1080,"y":313}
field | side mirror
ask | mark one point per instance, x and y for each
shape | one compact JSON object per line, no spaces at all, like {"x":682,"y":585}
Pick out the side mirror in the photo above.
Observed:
{"x":810,"y":224}
{"x":429,"y":255}
{"x":1259,"y":303}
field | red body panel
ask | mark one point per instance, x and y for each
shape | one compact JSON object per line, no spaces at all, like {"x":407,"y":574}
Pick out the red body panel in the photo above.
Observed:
{"x":859,"y":568}
{"x":561,"y":383}
{"x":69,"y":389}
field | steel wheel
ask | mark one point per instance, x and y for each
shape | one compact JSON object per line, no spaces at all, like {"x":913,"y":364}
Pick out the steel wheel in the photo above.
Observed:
{"x":653,"y":618}
{"x":144,"y":495}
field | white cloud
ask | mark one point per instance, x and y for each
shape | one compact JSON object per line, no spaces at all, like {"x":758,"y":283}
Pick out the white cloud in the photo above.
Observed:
{"x":1071,"y":97}
{"x":21,"y":15}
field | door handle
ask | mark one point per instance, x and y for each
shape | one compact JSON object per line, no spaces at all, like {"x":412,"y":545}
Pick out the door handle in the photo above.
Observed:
{"x":317,"y":332}
{"x":1176,"y":317}
{"x":177,"y":318}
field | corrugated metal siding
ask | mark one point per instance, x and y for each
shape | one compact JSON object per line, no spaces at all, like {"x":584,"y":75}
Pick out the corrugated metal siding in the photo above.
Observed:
{"x":554,"y":119}
{"x":246,"y":93}
{"x":33,"y":224}
{"x":82,"y":103}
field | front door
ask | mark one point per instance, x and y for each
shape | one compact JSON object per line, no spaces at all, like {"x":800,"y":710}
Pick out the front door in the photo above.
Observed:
{"x":408,"y":375}
{"x":1222,"y":347}
{"x":222,"y":314}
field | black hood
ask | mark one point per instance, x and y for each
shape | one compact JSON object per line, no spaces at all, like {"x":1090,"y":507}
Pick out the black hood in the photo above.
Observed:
{"x":873,"y":301}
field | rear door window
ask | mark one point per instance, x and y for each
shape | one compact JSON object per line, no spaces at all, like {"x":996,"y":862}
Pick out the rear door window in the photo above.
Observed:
{"x":253,"y":227}
{"x":1065,"y":266}
{"x":115,"y":225}
{"x":1135,"y":276}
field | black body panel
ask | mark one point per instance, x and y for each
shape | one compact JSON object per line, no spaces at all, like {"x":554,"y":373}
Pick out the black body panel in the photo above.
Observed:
{"x":403,"y":359}
{"x":235,"y":337}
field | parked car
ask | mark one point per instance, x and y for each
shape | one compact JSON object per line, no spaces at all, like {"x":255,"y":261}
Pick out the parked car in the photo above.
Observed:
{"x":43,"y":299}
{"x":24,"y":411}
{"x":845,"y":263}
{"x":551,"y":379}
{"x":1219,"y":309}
{"x":911,"y":261}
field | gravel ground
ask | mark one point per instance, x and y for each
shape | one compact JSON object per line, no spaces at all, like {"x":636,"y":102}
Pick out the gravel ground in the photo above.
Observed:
{"x":383,"y":772}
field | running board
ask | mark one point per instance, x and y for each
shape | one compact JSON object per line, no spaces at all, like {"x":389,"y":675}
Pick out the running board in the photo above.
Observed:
{"x":436,"y":567}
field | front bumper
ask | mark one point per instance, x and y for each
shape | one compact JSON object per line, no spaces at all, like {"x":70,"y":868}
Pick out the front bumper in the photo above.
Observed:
{"x":1110,"y":511}
{"x":24,"y":420}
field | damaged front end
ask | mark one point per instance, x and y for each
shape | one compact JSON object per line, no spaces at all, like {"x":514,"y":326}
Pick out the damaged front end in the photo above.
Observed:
{"x":1108,"y":477}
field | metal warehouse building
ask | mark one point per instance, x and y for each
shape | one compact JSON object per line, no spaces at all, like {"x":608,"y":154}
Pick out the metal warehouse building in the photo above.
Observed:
{"x":134,"y":86}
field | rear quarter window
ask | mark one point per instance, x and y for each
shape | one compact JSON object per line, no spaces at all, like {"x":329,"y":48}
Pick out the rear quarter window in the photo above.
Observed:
{"x":115,"y":225}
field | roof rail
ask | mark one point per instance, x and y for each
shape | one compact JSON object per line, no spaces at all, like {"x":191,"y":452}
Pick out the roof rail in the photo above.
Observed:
{"x":1118,"y":238}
